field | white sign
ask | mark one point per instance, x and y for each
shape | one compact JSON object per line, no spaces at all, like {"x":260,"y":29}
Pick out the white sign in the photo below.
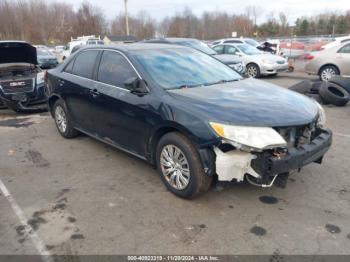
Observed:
{"x":234,"y":34}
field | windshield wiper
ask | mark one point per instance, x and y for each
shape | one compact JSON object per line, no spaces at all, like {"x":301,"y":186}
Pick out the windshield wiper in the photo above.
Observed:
{"x":221,"y":82}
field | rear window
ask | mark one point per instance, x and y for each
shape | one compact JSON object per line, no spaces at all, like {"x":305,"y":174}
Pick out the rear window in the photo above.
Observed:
{"x":233,"y":41}
{"x":84,"y":63}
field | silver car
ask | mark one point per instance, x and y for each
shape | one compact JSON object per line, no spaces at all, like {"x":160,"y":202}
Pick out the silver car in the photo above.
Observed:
{"x":258,"y":63}
{"x":330,"y":62}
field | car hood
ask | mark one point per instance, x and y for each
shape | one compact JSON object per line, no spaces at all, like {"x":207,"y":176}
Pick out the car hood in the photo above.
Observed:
{"x":228,"y":59}
{"x":17,"y":52}
{"x":269,"y":57}
{"x":248,"y":102}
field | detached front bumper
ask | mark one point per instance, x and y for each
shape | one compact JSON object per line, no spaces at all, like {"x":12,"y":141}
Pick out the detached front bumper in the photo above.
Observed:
{"x":266,"y":164}
{"x":270,"y":69}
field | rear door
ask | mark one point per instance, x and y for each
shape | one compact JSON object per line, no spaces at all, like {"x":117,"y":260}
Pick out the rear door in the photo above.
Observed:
{"x":343,"y":60}
{"x":76,"y":87}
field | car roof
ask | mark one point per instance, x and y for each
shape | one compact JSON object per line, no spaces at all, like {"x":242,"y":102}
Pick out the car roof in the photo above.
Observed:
{"x":15,"y":41}
{"x":133,"y":46}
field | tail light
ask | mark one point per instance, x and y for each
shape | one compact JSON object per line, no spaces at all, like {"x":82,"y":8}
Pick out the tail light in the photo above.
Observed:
{"x":309,"y":57}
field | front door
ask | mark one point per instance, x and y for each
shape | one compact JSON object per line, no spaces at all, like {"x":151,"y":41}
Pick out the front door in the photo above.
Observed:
{"x":121,"y":118}
{"x":343,"y":60}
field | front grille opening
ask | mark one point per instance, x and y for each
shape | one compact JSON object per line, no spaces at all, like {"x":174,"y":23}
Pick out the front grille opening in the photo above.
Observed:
{"x":226,"y":147}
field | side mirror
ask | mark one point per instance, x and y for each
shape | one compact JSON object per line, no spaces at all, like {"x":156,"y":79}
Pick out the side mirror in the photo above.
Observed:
{"x":136,"y":86}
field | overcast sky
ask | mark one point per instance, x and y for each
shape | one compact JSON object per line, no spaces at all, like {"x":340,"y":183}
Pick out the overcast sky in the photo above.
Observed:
{"x":161,"y":8}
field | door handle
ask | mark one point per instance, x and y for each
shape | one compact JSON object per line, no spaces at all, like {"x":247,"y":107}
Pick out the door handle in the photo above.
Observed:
{"x":94,"y":93}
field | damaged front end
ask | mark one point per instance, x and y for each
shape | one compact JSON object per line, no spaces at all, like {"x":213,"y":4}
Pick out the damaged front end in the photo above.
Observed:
{"x":265,"y":160}
{"x":22,"y":85}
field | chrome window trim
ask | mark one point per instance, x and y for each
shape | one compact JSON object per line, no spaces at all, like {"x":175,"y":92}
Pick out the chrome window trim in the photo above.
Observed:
{"x":112,"y":50}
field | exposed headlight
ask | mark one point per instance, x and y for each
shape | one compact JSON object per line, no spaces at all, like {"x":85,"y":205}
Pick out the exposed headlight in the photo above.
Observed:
{"x":321,"y":121}
{"x":249,"y":138}
{"x":40,"y":78}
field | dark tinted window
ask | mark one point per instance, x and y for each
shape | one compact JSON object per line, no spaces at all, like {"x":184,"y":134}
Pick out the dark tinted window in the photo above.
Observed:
{"x":345,"y":49}
{"x":219,"y":49}
{"x":114,"y":69}
{"x":84,"y":63}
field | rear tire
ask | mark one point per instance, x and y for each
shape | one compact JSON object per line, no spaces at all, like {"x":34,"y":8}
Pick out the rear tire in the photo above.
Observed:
{"x":180,"y":166}
{"x":334,"y":94}
{"x":327,"y":72}
{"x":63,"y":120}
{"x":342,"y":81}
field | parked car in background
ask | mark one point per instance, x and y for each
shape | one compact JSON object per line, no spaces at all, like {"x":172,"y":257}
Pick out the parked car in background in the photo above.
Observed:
{"x":232,"y":61}
{"x":95,"y":42}
{"x":79,"y":41}
{"x":46,"y":60}
{"x":330,"y":62}
{"x":338,"y":41}
{"x":257,"y":62}
{"x":21,"y":79}
{"x":188,"y":114}
{"x":248,"y":41}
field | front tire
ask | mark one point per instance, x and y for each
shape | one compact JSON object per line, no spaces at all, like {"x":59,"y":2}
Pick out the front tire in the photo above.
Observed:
{"x":180,"y":166}
{"x":253,"y":71}
{"x":63,"y":120}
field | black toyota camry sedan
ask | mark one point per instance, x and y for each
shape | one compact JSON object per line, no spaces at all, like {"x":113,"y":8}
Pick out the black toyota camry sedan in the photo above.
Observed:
{"x":187,"y":114}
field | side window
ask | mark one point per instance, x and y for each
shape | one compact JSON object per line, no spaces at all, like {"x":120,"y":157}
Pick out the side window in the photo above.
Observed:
{"x":114,"y":69}
{"x":84,"y":63}
{"x":345,"y":49}
{"x":219,"y":49}
{"x":231,"y":50}
{"x":69,"y":67}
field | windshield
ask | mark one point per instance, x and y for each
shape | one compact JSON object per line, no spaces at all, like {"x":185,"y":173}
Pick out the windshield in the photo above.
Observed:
{"x":183,"y":67}
{"x":249,"y":50}
{"x":251,"y":42}
{"x":198,"y":45}
{"x":42,"y":52}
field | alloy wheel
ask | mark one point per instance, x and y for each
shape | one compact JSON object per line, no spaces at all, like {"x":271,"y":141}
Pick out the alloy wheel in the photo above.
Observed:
{"x":252,"y":71}
{"x":175,"y":167}
{"x":328,"y":73}
{"x":61,"y":119}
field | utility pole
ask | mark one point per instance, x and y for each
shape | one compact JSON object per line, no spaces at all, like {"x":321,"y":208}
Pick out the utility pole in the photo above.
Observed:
{"x":126,"y":17}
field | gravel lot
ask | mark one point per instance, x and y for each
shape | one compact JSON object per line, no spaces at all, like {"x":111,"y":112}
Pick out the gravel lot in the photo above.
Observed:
{"x":83,"y":197}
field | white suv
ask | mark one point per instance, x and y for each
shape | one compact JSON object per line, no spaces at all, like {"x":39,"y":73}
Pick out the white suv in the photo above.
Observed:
{"x":248,"y":41}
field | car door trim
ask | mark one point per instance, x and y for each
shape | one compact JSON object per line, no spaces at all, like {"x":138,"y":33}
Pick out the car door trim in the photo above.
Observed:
{"x":119,"y":147}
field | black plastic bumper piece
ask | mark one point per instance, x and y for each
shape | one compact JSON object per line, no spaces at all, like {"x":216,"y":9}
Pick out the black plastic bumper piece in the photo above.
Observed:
{"x":268,"y":165}
{"x":35,"y":100}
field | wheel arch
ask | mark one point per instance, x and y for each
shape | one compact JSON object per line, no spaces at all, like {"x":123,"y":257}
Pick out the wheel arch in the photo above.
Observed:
{"x":328,"y":64}
{"x":51,"y":101}
{"x":206,"y":154}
